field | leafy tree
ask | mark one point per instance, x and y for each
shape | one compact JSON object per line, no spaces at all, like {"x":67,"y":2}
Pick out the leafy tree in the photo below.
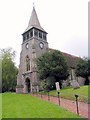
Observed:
{"x":44,"y":85}
{"x":53,"y":64}
{"x":83,"y":69}
{"x":9,"y":70}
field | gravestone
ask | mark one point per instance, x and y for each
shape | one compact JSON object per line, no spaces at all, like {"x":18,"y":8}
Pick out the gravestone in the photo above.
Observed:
{"x":57,"y":86}
{"x":75,"y":84}
{"x":65,"y":83}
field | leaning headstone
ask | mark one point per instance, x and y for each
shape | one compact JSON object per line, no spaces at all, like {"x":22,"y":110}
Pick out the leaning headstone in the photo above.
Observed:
{"x":75,"y":84}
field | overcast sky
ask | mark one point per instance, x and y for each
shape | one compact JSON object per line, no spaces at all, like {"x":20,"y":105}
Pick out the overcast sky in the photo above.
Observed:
{"x":66,"y":22}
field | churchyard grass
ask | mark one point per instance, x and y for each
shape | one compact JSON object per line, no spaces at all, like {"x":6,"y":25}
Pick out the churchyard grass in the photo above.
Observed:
{"x":27,"y":106}
{"x":69,"y":93}
{"x":0,"y":106}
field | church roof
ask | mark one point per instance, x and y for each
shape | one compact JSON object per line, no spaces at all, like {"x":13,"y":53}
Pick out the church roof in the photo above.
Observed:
{"x":34,"y":22}
{"x":71,"y":59}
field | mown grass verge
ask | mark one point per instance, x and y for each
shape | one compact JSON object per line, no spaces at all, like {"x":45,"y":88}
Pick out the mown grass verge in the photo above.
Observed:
{"x":27,"y":106}
{"x":69,"y":93}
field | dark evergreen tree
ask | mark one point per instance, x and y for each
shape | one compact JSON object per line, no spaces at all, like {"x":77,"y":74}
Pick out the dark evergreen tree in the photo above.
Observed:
{"x":83,"y":69}
{"x":53,"y":64}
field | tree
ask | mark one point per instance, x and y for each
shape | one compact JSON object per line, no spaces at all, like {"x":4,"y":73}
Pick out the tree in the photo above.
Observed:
{"x":83,"y":69}
{"x":9,"y":70}
{"x":53,"y":64}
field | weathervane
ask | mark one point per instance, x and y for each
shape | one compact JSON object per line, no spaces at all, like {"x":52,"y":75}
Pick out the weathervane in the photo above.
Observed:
{"x":33,"y":5}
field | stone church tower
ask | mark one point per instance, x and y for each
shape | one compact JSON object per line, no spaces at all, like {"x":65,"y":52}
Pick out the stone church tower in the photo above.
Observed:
{"x":34,"y":45}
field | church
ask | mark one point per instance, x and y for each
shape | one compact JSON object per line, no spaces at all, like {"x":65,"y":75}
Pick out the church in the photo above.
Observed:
{"x":33,"y":46}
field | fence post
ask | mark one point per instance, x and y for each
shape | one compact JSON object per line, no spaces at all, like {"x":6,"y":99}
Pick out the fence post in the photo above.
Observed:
{"x":77,"y":104}
{"x":59,"y":98}
{"x":48,"y":96}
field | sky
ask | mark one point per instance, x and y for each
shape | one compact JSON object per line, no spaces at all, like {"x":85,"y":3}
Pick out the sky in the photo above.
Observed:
{"x":66,"y":22}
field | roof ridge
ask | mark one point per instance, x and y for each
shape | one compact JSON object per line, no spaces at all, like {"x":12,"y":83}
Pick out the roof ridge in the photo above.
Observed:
{"x":65,"y":53}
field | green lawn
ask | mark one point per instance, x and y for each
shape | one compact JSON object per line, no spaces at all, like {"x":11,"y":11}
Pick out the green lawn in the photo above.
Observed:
{"x":27,"y":106}
{"x":69,"y":93}
{"x":0,"y":106}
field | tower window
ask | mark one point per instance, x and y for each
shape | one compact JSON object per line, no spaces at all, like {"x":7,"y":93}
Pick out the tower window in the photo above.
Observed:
{"x":35,"y":32}
{"x":31,"y":33}
{"x":28,"y":36}
{"x":27,"y":63}
{"x":24,"y":38}
{"x":40,"y":34}
{"x":44,"y":36}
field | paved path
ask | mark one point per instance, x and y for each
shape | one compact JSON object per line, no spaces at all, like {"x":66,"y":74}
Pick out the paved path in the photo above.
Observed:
{"x":69,"y":105}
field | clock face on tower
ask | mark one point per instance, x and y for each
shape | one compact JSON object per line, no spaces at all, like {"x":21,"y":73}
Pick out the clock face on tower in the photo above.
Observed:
{"x":41,"y":45}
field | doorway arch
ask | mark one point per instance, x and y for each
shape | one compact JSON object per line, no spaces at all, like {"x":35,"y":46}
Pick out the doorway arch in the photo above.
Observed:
{"x":28,"y":85}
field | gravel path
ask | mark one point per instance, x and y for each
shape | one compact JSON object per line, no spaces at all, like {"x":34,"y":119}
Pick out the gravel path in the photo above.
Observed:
{"x":84,"y":108}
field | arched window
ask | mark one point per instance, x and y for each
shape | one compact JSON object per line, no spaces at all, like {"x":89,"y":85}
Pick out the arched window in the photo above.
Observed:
{"x":27,"y":63}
